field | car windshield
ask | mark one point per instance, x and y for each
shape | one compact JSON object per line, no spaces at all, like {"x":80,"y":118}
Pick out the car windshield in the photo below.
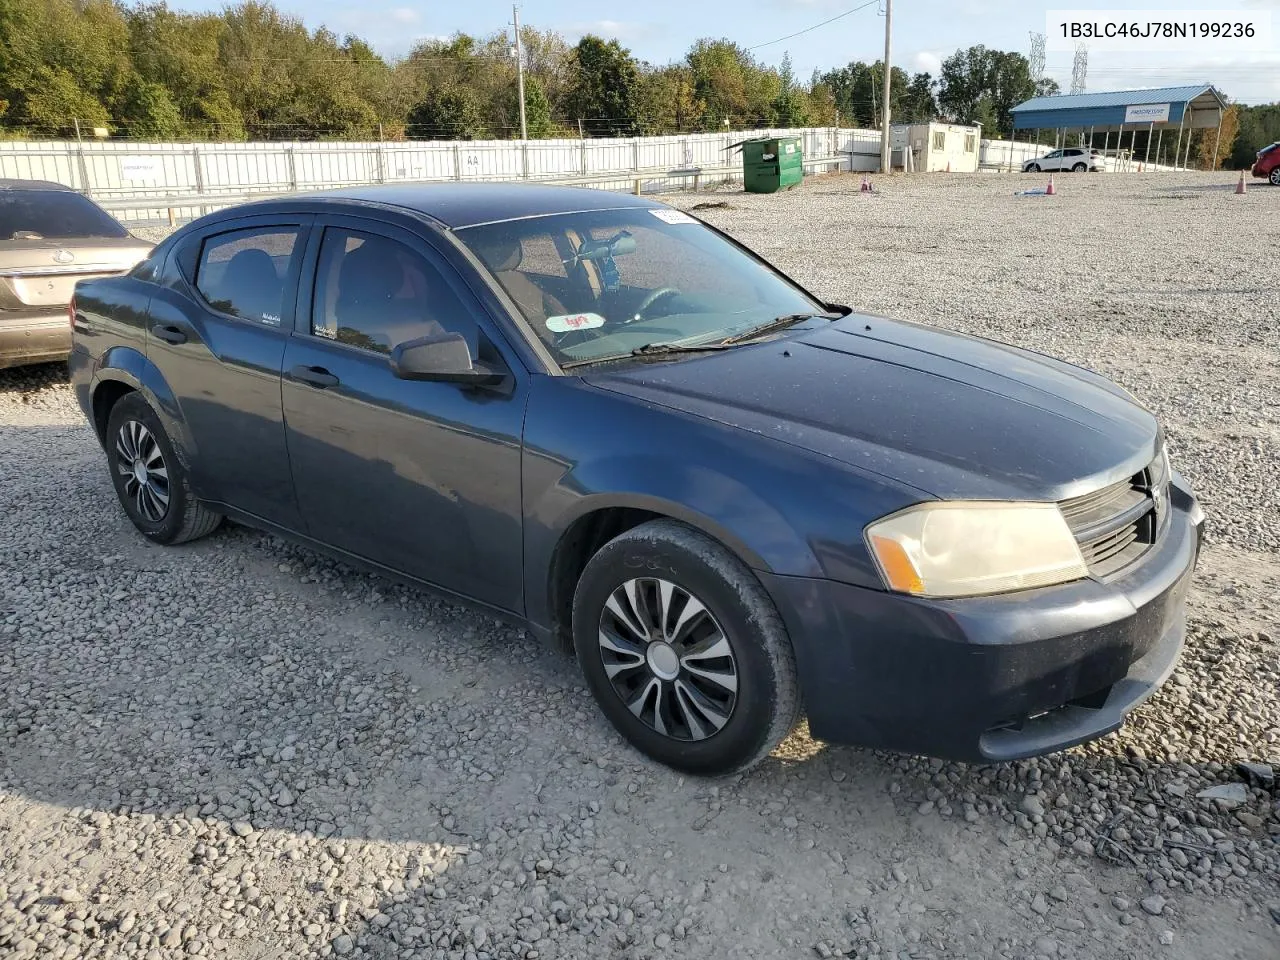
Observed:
{"x":603,"y":283}
{"x":53,"y":215}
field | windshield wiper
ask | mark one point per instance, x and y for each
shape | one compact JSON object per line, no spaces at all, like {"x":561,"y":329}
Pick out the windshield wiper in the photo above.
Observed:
{"x":649,"y":350}
{"x":777,"y":323}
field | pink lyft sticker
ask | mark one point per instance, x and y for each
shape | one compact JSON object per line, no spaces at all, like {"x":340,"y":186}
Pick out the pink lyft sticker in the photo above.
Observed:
{"x":569,"y":322}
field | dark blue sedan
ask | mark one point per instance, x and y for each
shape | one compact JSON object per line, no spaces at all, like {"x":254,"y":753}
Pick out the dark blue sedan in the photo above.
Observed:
{"x":611,"y":422}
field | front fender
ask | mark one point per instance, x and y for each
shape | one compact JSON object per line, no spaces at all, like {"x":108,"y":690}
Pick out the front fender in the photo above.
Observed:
{"x":713,"y":502}
{"x":780,"y":509}
{"x":706,"y":499}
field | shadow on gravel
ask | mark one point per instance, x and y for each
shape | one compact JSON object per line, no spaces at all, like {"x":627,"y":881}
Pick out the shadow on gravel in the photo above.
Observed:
{"x":1210,"y":187}
{"x":32,"y":378}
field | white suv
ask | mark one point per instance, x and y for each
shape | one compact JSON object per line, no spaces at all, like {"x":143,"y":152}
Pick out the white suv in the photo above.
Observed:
{"x":1075,"y":159}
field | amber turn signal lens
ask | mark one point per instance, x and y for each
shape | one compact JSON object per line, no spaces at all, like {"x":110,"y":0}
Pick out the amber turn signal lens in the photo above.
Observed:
{"x":897,"y":566}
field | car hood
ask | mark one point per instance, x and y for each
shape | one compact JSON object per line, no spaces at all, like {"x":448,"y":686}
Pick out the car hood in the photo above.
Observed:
{"x":949,"y":415}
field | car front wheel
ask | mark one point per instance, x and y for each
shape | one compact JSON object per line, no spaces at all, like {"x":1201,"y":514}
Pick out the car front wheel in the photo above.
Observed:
{"x":149,"y":480}
{"x":684,"y":651}
{"x":1034,"y":168}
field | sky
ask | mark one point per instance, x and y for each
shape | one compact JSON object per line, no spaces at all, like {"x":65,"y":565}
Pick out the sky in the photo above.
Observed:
{"x":924,"y":32}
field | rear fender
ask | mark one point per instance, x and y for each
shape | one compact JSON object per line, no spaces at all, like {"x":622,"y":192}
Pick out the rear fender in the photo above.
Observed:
{"x":126,"y":365}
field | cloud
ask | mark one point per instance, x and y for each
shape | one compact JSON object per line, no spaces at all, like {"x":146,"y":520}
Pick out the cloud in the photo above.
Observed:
{"x":403,"y":15}
{"x":624,"y":31}
{"x":926,"y":61}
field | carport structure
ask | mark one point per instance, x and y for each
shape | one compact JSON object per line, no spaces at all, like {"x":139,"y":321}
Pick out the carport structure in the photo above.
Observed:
{"x":1154,"y":110}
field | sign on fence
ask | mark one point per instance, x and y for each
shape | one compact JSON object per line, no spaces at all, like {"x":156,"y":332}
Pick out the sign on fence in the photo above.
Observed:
{"x":141,"y":168}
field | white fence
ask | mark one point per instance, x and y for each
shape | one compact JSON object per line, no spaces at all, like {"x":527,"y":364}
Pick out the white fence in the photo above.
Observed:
{"x":1003,"y":154}
{"x":193,"y":178}
{"x":202,"y":176}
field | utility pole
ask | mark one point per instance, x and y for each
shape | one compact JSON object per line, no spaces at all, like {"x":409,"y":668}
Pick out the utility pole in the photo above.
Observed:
{"x":886,"y":152}
{"x":515,"y":16}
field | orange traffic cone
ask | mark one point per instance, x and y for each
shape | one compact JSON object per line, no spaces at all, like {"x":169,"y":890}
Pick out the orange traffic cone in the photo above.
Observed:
{"x":1049,"y":189}
{"x":1240,"y":188}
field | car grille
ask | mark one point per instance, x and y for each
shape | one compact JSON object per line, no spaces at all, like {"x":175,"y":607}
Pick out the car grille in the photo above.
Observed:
{"x":1116,"y":525}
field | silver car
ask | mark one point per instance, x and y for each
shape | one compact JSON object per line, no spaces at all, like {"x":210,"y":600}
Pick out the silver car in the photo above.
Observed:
{"x":50,"y":237}
{"x":1074,"y":159}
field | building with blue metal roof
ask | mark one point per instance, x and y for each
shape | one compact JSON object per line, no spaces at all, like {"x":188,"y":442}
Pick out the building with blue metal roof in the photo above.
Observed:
{"x":1186,"y":108}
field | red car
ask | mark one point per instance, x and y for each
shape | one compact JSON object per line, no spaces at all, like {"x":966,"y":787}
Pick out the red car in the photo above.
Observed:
{"x":1268,"y":164}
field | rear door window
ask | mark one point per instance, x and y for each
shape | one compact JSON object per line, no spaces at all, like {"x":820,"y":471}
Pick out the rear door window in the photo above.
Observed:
{"x":53,"y":215}
{"x":243,"y":272}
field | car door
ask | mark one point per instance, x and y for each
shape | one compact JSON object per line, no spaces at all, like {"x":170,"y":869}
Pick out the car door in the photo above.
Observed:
{"x":1071,"y":157}
{"x":421,"y":477}
{"x":217,"y":331}
{"x":1052,"y":161}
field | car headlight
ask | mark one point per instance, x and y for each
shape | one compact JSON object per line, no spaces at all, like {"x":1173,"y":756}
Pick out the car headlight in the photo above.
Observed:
{"x":954,"y":549}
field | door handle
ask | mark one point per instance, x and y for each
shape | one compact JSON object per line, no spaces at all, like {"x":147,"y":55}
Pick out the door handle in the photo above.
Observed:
{"x":315,"y":376}
{"x":169,"y":333}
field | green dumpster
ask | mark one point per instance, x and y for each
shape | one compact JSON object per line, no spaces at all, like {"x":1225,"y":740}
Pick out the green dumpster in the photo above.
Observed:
{"x":770,"y":164}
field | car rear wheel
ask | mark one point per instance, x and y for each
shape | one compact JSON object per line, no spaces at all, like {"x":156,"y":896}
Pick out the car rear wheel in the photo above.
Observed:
{"x":1275,"y":177}
{"x":149,"y":480}
{"x":1079,"y":168}
{"x":683,"y":650}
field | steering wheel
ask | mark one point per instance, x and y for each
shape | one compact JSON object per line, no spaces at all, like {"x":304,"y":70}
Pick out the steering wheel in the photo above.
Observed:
{"x":653,"y":297}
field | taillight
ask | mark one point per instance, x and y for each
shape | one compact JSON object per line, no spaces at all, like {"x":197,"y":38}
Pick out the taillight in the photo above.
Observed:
{"x":71,"y":313}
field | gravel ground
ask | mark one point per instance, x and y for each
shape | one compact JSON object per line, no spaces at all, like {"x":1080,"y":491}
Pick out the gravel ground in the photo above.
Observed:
{"x":241,"y":749}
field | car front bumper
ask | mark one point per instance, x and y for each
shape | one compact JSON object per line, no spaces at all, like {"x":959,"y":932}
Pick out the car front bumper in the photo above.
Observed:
{"x":996,"y":678}
{"x":33,"y":336}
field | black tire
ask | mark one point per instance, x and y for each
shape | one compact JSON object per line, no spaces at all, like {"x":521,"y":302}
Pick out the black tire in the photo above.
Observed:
{"x":1079,"y":168}
{"x":766,"y":704}
{"x":1274,"y":178}
{"x":180,"y":517}
{"x":1034,"y":168}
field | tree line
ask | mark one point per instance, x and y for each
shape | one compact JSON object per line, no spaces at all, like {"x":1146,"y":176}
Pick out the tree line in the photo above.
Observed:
{"x":252,"y":72}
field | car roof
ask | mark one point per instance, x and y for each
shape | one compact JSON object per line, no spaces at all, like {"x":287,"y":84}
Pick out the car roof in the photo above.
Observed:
{"x":12,"y":183}
{"x":458,"y":205}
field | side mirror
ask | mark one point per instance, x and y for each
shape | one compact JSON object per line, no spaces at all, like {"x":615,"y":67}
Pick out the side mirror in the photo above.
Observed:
{"x":445,"y":359}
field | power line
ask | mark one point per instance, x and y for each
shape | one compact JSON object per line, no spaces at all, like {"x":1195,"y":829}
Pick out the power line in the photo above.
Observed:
{"x":838,"y":16}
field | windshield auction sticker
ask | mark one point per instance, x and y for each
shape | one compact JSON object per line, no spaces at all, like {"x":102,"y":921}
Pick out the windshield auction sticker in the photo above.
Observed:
{"x":673,"y":216}
{"x":1220,"y":31}
{"x":567,"y":323}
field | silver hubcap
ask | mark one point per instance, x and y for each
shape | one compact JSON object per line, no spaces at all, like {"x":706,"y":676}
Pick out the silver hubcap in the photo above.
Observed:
{"x":668,"y":659}
{"x":146,"y":477}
